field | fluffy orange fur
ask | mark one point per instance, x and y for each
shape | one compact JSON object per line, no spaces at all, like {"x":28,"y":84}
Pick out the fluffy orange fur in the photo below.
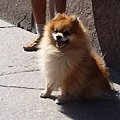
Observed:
{"x":75,"y":68}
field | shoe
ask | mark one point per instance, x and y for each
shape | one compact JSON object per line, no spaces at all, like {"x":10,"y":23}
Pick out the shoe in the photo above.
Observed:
{"x":32,"y":46}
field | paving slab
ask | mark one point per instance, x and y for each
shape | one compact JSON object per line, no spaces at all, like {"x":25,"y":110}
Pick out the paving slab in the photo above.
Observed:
{"x":21,"y":82}
{"x":13,"y":57}
{"x":5,"y":24}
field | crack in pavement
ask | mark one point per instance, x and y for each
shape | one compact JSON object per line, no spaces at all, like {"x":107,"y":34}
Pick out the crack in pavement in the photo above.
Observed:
{"x":3,"y":74}
{"x":8,"y":26}
{"x":20,"y":87}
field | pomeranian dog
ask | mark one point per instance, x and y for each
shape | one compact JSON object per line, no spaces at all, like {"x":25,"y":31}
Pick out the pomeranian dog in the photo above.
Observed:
{"x":69,"y":63}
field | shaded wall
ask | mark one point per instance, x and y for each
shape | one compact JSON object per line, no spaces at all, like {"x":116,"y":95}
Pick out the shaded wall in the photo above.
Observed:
{"x":107,"y":22}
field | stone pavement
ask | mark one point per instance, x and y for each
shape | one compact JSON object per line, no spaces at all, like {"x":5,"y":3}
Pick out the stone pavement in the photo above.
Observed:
{"x":21,"y":82}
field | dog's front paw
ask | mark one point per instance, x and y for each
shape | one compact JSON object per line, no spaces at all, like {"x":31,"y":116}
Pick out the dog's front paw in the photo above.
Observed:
{"x":44,"y":94}
{"x":60,"y":100}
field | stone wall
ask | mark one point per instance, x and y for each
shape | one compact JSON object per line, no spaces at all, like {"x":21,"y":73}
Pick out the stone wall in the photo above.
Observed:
{"x":107,"y":22}
{"x":101,"y":17}
{"x":17,"y":12}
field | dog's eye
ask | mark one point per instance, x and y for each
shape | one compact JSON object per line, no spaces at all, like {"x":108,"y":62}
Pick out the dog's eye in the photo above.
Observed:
{"x":66,"y":33}
{"x":55,"y":31}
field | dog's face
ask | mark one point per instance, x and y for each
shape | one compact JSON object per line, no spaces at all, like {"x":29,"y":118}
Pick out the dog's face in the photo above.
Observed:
{"x":62,"y":30}
{"x":65,"y":31}
{"x":62,"y":37}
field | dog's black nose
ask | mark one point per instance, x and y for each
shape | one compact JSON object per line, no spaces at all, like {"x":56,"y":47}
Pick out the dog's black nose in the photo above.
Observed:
{"x":58,"y":37}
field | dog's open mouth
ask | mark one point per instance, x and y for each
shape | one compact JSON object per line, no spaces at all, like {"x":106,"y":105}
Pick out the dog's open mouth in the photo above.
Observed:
{"x":60,"y":43}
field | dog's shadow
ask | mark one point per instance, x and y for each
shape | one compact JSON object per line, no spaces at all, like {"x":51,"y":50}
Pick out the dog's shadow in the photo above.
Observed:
{"x":102,"y":109}
{"x":107,"y":109}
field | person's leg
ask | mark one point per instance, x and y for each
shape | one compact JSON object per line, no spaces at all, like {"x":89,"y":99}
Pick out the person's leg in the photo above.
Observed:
{"x":39,"y":11}
{"x":60,"y":5}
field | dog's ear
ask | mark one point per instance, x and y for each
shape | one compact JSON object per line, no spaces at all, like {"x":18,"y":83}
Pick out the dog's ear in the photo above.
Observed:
{"x":58,"y":16}
{"x":74,"y":19}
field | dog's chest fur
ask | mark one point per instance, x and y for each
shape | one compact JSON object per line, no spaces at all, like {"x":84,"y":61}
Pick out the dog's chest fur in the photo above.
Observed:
{"x":56,"y":66}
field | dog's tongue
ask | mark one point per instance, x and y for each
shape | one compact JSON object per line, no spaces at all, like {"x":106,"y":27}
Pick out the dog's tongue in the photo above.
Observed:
{"x":60,"y":43}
